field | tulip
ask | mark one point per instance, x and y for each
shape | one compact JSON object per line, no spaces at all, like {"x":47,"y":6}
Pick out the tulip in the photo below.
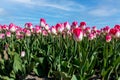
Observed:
{"x":44,"y":33}
{"x":82,"y":25}
{"x":12,"y":27}
{"x":46,"y":26}
{"x":94,"y":28}
{"x":77,"y":34}
{"x":108,"y":38}
{"x":2,"y":36}
{"x":117,"y":34}
{"x":59,"y":27}
{"x":117,"y":27}
{"x":37,"y":29}
{"x":28,"y":25}
{"x":67,"y":26}
{"x":75,"y":24}
{"x":42,"y":22}
{"x":22,"y":54}
{"x":87,"y":30}
{"x":28,"y":33}
{"x":5,"y":27}
{"x":53,"y":30}
{"x":8,"y":34}
{"x":106,"y":29}
{"x":91,"y":36}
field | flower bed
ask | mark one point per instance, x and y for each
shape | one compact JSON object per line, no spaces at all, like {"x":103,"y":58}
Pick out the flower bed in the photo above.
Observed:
{"x":63,"y":51}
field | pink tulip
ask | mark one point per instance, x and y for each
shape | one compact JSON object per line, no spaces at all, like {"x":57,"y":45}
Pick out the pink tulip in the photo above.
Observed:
{"x":46,"y":26}
{"x":53,"y":30}
{"x":75,"y":24}
{"x":117,"y":34}
{"x":94,"y":28}
{"x":108,"y":38}
{"x":5,"y":27}
{"x":38,"y":29}
{"x":42,"y":22}
{"x":28,"y":33}
{"x":67,"y":26}
{"x":87,"y":30}
{"x":59,"y":27}
{"x":12,"y":27}
{"x":91,"y":36}
{"x":17,"y":32}
{"x":106,"y":29}
{"x":28,"y":25}
{"x":2,"y":36}
{"x":82,"y":25}
{"x":8,"y":34}
{"x":44,"y":33}
{"x":77,"y":34}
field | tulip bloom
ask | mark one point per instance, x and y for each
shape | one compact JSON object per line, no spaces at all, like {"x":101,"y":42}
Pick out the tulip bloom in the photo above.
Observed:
{"x":22,"y":54}
{"x":12,"y":27}
{"x":67,"y":26}
{"x":91,"y":36}
{"x":28,"y":25}
{"x":77,"y":34}
{"x":42,"y":22}
{"x":82,"y":25}
{"x":38,"y":29}
{"x":2,"y":35}
{"x":8,"y":34}
{"x":108,"y":38}
{"x":53,"y":30}
{"x":59,"y":27}
{"x":28,"y":33}
{"x":75,"y":24}
{"x":44,"y":33}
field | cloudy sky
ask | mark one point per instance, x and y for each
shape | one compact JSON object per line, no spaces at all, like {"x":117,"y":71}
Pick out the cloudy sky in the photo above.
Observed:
{"x":95,"y":12}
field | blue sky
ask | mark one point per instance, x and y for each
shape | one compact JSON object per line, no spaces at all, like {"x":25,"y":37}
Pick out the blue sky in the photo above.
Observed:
{"x":95,"y":12}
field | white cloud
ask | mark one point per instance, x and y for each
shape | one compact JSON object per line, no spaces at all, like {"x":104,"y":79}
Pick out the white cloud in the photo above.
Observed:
{"x":103,"y":12}
{"x":23,"y":1}
{"x":61,"y":5}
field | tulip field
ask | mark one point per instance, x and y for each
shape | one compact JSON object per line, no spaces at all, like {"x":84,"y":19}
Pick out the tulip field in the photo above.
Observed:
{"x":61,"y":52}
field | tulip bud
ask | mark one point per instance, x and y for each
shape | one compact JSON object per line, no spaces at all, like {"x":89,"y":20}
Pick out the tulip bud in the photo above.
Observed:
{"x":22,"y":54}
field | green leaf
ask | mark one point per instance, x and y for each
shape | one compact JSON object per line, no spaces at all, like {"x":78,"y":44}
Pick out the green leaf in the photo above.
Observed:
{"x":17,"y":65}
{"x":35,"y":71}
{"x":74,"y":77}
